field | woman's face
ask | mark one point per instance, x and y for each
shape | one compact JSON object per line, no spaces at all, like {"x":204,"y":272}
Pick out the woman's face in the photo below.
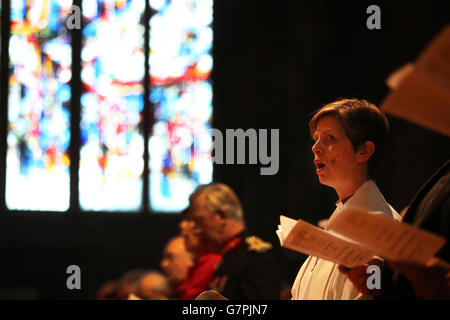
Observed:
{"x":334,"y":157}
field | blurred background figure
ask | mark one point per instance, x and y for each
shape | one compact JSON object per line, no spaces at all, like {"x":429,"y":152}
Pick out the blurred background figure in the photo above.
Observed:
{"x":153,"y":286}
{"x":175,"y":264}
{"x":205,"y":259}
{"x":120,"y":289}
{"x":128,"y":283}
{"x":247,"y":269}
{"x":107,"y":291}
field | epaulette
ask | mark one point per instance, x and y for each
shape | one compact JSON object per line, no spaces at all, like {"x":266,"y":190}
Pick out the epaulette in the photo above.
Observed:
{"x":257,"y":244}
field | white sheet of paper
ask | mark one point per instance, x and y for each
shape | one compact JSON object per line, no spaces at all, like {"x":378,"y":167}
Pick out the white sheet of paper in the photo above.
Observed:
{"x":285,"y":226}
{"x":393,"y":240}
{"x":309,"y":239}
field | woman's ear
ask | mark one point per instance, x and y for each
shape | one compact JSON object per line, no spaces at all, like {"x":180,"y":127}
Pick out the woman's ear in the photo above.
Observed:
{"x":365,"y":151}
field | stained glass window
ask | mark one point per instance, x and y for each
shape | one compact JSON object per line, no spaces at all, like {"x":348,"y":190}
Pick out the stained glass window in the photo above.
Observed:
{"x":180,"y":65}
{"x":37,"y":164}
{"x":113,"y":65}
{"x":112,"y":146}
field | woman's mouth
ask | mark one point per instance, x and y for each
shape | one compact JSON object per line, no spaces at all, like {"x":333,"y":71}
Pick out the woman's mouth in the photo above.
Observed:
{"x":320,"y":166}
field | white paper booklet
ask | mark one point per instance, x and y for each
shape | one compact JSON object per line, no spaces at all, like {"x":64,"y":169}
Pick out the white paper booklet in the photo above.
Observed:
{"x":354,"y":236}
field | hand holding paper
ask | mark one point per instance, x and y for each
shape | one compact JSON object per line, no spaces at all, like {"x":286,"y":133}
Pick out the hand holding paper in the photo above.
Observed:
{"x":356,"y":235}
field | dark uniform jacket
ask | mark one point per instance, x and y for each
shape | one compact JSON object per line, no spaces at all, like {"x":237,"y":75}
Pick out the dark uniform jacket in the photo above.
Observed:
{"x":248,"y":270}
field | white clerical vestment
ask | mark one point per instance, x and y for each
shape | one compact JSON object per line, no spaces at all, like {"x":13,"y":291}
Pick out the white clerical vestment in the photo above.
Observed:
{"x":320,"y":279}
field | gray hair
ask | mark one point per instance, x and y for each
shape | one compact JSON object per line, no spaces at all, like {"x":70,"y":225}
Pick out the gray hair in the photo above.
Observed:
{"x":219,"y":196}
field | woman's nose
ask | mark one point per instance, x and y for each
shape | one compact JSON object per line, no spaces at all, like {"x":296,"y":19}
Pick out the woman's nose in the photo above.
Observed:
{"x":316,"y":149}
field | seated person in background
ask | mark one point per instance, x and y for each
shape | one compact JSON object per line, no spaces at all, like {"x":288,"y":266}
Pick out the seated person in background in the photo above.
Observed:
{"x":153,"y":285}
{"x":248,"y":269}
{"x":175,"y":264}
{"x":205,"y":260}
{"x":128,"y":284}
{"x":350,"y":136}
{"x":107,"y":291}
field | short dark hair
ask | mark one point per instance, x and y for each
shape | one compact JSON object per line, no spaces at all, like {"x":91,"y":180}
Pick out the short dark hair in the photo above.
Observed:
{"x":362,"y":121}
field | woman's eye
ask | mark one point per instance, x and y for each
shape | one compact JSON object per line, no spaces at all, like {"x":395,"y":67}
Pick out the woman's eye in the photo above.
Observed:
{"x":331,"y":138}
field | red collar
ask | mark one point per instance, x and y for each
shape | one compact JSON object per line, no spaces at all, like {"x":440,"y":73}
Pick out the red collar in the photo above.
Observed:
{"x":230,"y":245}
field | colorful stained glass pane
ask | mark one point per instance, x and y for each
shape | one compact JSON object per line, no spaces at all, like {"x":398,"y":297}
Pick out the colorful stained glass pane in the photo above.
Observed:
{"x":37,"y":169}
{"x":112,"y":146}
{"x":180,"y":66}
